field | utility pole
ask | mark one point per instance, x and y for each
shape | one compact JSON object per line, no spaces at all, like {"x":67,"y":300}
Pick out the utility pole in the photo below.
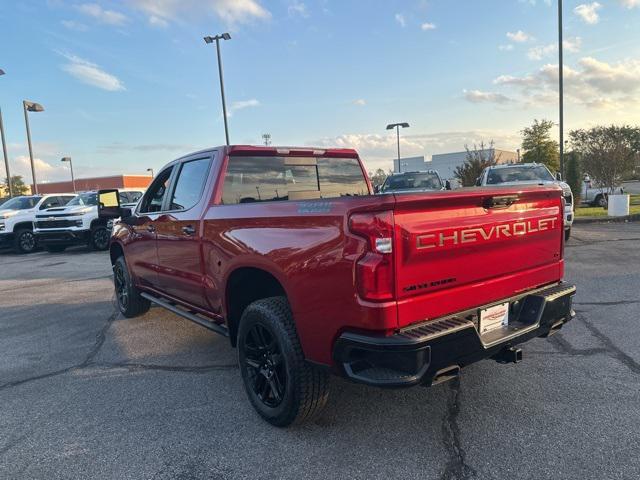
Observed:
{"x":561,"y":86}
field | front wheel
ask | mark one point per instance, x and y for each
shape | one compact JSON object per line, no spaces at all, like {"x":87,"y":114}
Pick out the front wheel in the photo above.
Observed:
{"x":130,"y":302}
{"x":282,"y":387}
{"x":25,"y":241}
{"x":601,"y":201}
{"x":99,"y":239}
{"x":567,"y":234}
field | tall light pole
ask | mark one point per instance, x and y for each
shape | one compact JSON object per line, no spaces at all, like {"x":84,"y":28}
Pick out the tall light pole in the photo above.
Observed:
{"x":561,"y":85}
{"x":4,"y":150}
{"x":31,"y":107}
{"x":217,"y":38}
{"x":73,"y":180}
{"x":397,"y":127}
{"x":150,"y":170}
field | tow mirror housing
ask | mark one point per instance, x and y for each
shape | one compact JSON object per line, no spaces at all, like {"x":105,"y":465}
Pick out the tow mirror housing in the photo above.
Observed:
{"x":447,"y":185}
{"x":559,"y":176}
{"x":109,"y":204}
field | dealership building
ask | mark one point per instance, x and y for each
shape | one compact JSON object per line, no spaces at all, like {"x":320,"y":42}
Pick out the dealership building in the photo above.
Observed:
{"x":97,"y":183}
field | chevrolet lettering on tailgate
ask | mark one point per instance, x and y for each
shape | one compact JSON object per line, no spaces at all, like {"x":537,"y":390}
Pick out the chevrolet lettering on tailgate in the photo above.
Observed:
{"x":454,"y":237}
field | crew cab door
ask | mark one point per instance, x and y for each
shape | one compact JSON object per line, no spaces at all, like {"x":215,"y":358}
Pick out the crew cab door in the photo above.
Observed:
{"x":142,"y":252}
{"x":178,"y":233}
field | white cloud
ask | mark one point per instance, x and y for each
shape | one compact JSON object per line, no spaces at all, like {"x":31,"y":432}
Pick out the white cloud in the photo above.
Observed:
{"x":158,"y":22}
{"x":73,"y":25}
{"x":571,"y":45}
{"x":361,"y":102}
{"x":592,"y":84}
{"x":110,"y":17}
{"x":506,"y":48}
{"x":298,"y":9}
{"x":45,"y":172}
{"x":91,"y":74}
{"x":428,"y":26}
{"x":478,"y":96}
{"x":401,"y":20}
{"x":630,"y":3}
{"x":519,"y":36}
{"x":231,"y":12}
{"x":588,"y":12}
{"x":241,"y":105}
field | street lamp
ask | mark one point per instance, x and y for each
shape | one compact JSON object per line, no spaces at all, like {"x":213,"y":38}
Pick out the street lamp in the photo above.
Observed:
{"x":31,"y":107}
{"x":73,"y":180}
{"x":4,"y":150}
{"x":561,"y":86}
{"x":217,"y":38}
{"x":397,"y":127}
{"x":150,"y":170}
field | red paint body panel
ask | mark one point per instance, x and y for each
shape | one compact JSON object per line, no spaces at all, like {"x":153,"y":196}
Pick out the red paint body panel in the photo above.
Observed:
{"x":450,"y":252}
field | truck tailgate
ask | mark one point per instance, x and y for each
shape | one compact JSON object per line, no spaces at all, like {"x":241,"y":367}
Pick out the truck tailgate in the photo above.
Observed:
{"x":455,"y":251}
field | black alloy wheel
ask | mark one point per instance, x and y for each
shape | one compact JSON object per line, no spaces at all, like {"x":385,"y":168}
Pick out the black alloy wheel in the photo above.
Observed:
{"x":265,"y":363}
{"x":25,"y":241}
{"x":122,"y":290}
{"x":100,"y":238}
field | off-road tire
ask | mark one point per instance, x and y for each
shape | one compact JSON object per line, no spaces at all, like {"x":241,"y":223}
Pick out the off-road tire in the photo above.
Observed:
{"x":99,"y":238}
{"x":567,"y":234}
{"x":306,"y":387}
{"x":55,"y":248}
{"x":24,"y":241}
{"x":128,"y":298}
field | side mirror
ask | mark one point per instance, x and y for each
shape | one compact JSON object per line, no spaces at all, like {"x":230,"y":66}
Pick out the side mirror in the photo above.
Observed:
{"x":559,"y":176}
{"x":376,"y":189}
{"x":109,"y":204}
{"x":447,"y":185}
{"x":478,"y":183}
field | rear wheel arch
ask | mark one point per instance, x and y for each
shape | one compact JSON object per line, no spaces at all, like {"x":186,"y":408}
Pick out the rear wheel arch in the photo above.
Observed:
{"x":244,"y":286}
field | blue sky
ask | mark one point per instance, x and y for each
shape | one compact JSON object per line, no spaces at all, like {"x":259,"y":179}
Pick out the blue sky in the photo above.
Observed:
{"x":130,"y":84}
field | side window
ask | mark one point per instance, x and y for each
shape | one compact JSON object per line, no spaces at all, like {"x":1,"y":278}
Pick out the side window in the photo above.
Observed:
{"x":152,"y":201}
{"x":50,"y":202}
{"x":134,"y":196}
{"x":65,"y":199}
{"x":341,"y":177}
{"x":189,"y":184}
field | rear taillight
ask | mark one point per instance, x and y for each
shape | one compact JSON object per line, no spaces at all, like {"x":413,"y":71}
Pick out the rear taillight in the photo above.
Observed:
{"x":374,"y":270}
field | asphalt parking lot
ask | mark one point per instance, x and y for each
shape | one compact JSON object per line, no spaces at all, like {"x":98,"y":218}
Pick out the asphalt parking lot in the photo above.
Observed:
{"x":85,"y":393}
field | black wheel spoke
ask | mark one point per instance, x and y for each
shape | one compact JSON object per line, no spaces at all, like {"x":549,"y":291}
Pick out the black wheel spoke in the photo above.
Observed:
{"x":252,"y":363}
{"x":265,"y":365}
{"x":275,"y":390}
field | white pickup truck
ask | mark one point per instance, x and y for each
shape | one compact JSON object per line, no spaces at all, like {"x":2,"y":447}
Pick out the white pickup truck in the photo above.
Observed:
{"x":529,"y":174}
{"x":78,"y":223}
{"x":596,"y":196}
{"x":18,"y":214}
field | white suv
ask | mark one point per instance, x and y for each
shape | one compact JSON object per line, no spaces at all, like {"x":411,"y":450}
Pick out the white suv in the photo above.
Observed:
{"x":18,"y":214}
{"x":78,"y":223}
{"x":529,"y":173}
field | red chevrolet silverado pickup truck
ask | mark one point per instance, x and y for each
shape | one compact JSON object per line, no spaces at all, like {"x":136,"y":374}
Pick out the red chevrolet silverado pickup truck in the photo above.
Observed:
{"x":288,"y":252}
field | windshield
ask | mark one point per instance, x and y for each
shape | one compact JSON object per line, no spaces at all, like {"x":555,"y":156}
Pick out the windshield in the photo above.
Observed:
{"x":20,"y":203}
{"x":519,"y":174}
{"x":84,"y":199}
{"x":412,"y":181}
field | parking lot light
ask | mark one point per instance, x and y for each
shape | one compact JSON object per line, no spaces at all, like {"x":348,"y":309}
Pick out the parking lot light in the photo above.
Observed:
{"x":150,"y":170}
{"x":209,"y":40}
{"x":73,"y":180}
{"x":397,"y":127}
{"x":31,"y":107}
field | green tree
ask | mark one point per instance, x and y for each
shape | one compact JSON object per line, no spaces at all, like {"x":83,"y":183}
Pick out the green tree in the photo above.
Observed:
{"x":378,"y":177}
{"x":608,"y":153}
{"x":475,"y":162}
{"x":539,"y":147}
{"x":574,"y":175}
{"x":18,"y":185}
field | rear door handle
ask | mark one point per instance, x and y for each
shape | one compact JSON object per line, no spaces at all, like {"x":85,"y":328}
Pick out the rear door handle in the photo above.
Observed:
{"x":189,"y":230}
{"x":151,"y":228}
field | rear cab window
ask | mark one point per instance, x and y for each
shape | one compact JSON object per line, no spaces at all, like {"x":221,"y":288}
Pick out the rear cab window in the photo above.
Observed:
{"x":267,"y":179}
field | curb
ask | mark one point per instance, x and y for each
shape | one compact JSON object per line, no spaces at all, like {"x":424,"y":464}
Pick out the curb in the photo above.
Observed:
{"x":628,"y":218}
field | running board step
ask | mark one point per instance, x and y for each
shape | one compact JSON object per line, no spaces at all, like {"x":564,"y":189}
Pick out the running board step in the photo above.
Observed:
{"x":194,"y":317}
